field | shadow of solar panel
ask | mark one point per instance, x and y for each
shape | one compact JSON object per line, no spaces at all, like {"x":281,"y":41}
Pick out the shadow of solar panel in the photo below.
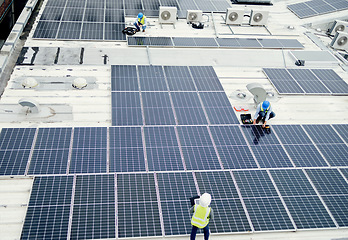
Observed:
{"x":271,"y":156}
{"x":52,"y":13}
{"x":256,"y":135}
{"x":95,"y":189}
{"x":236,"y":157}
{"x":127,"y":160}
{"x":69,"y":30}
{"x":219,"y":184}
{"x":223,"y":115}
{"x":113,"y":31}
{"x":342,"y":130}
{"x":308,"y":212}
{"x":92,"y":31}
{"x":291,"y":134}
{"x":112,"y":15}
{"x":335,"y":154}
{"x":268,"y":214}
{"x":164,"y":159}
{"x":134,"y":218}
{"x":292,"y":182}
{"x":16,"y":138}
{"x":49,"y":161}
{"x":13,"y":162}
{"x":338,"y":208}
{"x":322,"y":134}
{"x":161,"y":41}
{"x":94,"y":221}
{"x":176,"y":217}
{"x":176,"y":186}
{"x":184,"y":42}
{"x":200,"y":158}
{"x":254,"y":184}
{"x":46,"y":29}
{"x":328,"y":181}
{"x":305,"y":156}
{"x":49,"y":222}
{"x":229,"y":216}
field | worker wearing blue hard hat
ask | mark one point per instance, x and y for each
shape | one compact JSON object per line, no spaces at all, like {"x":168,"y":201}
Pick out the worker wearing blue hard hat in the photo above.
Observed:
{"x":202,"y":213}
{"x":263,"y":113}
{"x":140,"y":22}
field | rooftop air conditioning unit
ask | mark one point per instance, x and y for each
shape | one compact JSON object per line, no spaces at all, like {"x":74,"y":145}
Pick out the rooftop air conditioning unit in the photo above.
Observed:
{"x":167,"y":14}
{"x":258,"y":18}
{"x":338,"y":25}
{"x":194,"y":15}
{"x":234,"y":16}
{"x":340,"y":41}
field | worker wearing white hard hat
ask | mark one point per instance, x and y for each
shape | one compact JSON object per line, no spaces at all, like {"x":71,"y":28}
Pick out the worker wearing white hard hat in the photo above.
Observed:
{"x":202,"y":213}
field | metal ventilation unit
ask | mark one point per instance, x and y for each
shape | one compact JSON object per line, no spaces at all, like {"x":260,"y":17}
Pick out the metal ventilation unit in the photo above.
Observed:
{"x":338,"y":26}
{"x":194,"y":16}
{"x":340,"y":41}
{"x":167,"y":14}
{"x":258,"y":18}
{"x":257,"y":91}
{"x":234,"y":16}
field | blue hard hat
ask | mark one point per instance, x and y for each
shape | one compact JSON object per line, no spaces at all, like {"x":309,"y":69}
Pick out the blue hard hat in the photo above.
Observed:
{"x":140,"y":15}
{"x":265,"y":104}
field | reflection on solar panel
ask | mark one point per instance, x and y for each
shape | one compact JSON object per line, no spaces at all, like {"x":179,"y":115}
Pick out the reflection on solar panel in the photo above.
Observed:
{"x":256,"y":135}
{"x":317,"y":7}
{"x":214,"y":42}
{"x":306,"y":81}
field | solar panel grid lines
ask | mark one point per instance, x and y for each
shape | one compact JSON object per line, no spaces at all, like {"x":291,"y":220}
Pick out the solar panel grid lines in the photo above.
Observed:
{"x":337,"y":206}
{"x":308,"y":81}
{"x":322,"y":134}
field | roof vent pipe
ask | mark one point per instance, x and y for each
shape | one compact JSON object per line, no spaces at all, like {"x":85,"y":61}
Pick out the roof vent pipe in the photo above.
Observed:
{"x":79,"y":83}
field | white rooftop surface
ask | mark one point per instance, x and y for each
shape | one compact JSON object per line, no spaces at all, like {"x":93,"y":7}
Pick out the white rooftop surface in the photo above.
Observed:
{"x":63,"y":105}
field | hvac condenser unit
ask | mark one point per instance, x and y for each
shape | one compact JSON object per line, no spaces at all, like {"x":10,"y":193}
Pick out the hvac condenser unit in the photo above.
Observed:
{"x":167,"y":14}
{"x":340,"y":41}
{"x":234,"y":16}
{"x":194,"y":15}
{"x":338,"y":26}
{"x":258,"y":18}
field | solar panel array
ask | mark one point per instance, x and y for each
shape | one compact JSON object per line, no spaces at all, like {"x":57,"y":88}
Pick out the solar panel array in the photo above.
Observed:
{"x":168,"y":95}
{"x":296,"y":185}
{"x":214,"y":42}
{"x":306,"y":81}
{"x":105,"y":20}
{"x":317,"y":7}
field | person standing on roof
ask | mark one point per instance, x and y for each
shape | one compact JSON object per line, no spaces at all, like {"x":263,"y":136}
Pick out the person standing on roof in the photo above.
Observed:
{"x":202,"y":213}
{"x":264,"y":113}
{"x":140,"y":22}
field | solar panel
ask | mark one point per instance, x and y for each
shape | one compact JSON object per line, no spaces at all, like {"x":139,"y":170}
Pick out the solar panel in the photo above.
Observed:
{"x":254,"y":184}
{"x":305,"y":156}
{"x":256,"y":135}
{"x":228,"y":42}
{"x":126,"y":108}
{"x":157,"y":108}
{"x":205,"y":42}
{"x":46,"y":29}
{"x":271,"y":156}
{"x":112,"y":15}
{"x":95,"y":15}
{"x":268,"y":214}
{"x":69,"y":30}
{"x":161,"y":41}
{"x":291,"y":134}
{"x":224,"y":115}
{"x":16,"y":138}
{"x":194,"y":136}
{"x":215,"y":99}
{"x":338,"y":208}
{"x":345,"y":172}
{"x":270,"y":43}
{"x":282,"y":81}
{"x":52,"y":13}
{"x":152,"y":78}
{"x":308,"y":81}
{"x":206,"y":78}
{"x":308,"y":212}
{"x":13,"y":162}
{"x":229,"y":216}
{"x":176,"y":217}
{"x":201,"y":158}
{"x":322,"y":134}
{"x":328,"y":181}
{"x":249,"y":43}
{"x":92,"y":31}
{"x":125,"y":137}
{"x":227,"y":135}
{"x":335,"y":154}
{"x":113,"y":31}
{"x":236,"y":157}
{"x":179,"y":78}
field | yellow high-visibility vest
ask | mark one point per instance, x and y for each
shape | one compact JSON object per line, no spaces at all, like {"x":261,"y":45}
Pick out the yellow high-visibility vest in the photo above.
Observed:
{"x":200,"y":216}
{"x":141,"y":20}
{"x":266,"y":109}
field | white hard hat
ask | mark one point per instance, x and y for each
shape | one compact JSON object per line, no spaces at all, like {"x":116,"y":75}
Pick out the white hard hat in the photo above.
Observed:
{"x":205,"y":200}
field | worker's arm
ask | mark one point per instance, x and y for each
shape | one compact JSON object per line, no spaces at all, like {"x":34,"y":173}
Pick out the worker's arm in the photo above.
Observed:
{"x":192,"y":209}
{"x":211,"y":215}
{"x":267,"y":116}
{"x":258,"y":109}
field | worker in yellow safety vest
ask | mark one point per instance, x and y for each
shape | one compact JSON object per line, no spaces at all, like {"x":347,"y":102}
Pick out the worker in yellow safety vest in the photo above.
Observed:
{"x":140,"y":22}
{"x":202,"y":213}
{"x":263,"y":113}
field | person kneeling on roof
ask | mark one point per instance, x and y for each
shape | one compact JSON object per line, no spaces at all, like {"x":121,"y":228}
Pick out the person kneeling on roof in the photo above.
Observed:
{"x":140,"y":22}
{"x":263,"y":113}
{"x":202,"y":213}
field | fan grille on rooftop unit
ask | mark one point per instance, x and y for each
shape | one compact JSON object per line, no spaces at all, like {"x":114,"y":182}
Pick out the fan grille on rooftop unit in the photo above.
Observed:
{"x":342,"y":41}
{"x":340,"y":28}
{"x":257,"y":17}
{"x":165,"y":15}
{"x":193,"y":16}
{"x":233,"y":16}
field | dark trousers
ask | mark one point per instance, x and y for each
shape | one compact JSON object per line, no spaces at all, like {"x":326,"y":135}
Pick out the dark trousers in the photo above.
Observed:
{"x":262,"y":116}
{"x":194,"y":232}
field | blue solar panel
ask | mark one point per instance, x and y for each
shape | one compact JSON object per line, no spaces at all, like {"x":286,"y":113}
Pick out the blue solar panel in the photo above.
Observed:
{"x":328,"y":181}
{"x":291,"y":134}
{"x":87,"y":160}
{"x":127,"y":116}
{"x":124,"y":78}
{"x":125,"y":100}
{"x":236,"y":157}
{"x":227,"y":135}
{"x":152,"y":78}
{"x":268,"y":214}
{"x":271,"y":156}
{"x":201,"y":158}
{"x":178,"y":223}
{"x":345,"y":172}
{"x":164,"y":159}
{"x":157,"y":108}
{"x":127,"y":160}
{"x":206,"y":78}
{"x":219,"y":184}
{"x":186,"y":100}
{"x":52,"y":190}
{"x":13,"y":162}
{"x":322,"y":134}
{"x":229,"y":216}
{"x":194,"y":136}
{"x":95,"y":189}
{"x":89,"y":137}
{"x":256,"y":135}
{"x":50,"y":161}
{"x":179,"y":78}
{"x":176,"y":186}
{"x":222,"y":115}
{"x":338,"y":208}
{"x":254,"y":184}
{"x":335,"y":154}
{"x":53,"y":138}
{"x":190,"y":116}
{"x":16,"y":138}
{"x":308,"y":212}
{"x":215,"y":99}
{"x":305,"y":156}
{"x":125,"y":137}
{"x":292,"y":182}
{"x":342,"y":130}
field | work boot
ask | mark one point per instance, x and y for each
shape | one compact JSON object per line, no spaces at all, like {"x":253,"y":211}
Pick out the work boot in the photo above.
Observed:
{"x":143,"y":30}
